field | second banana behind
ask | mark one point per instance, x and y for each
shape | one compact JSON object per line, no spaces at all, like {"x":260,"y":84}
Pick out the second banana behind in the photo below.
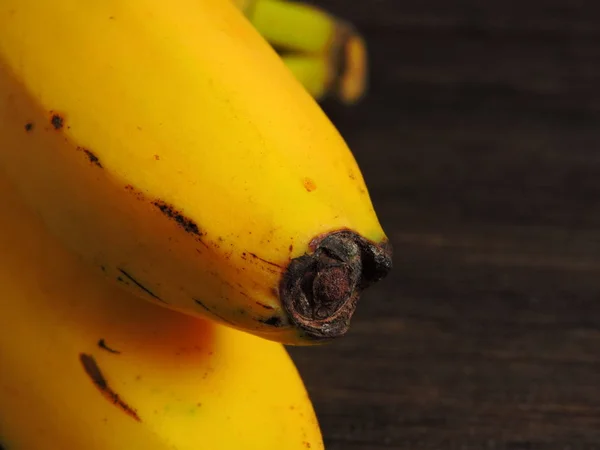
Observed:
{"x":324,"y":52}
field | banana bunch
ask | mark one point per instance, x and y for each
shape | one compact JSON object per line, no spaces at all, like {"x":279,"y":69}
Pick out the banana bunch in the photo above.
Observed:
{"x":326,"y":54}
{"x":171,"y":195}
{"x":83,"y":365}
{"x":168,"y":146}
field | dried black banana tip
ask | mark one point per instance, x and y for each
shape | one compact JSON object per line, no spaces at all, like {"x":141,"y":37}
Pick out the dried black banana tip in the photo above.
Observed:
{"x":320,"y":290}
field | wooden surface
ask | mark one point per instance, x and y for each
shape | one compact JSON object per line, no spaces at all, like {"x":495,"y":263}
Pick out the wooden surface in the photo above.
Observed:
{"x":480,"y":143}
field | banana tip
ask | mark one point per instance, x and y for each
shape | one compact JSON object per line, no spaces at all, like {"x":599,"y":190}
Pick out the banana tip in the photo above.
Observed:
{"x":353,"y":83}
{"x":351,"y":64}
{"x":320,"y":291}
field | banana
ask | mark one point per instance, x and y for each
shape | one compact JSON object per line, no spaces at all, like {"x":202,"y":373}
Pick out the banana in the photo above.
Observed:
{"x":352,"y":82}
{"x":84,"y":365}
{"x":292,"y":26}
{"x":344,"y":78}
{"x":315,"y":72}
{"x":313,"y":43}
{"x":244,"y":5}
{"x":167,"y":144}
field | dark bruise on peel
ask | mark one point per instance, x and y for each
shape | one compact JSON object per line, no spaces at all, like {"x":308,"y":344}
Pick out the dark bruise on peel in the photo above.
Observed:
{"x":57,"y":121}
{"x":141,"y":286}
{"x":93,"y":158}
{"x":134,"y":191}
{"x":103,"y":346}
{"x":28,"y":128}
{"x":93,"y":371}
{"x":187,"y":224}
{"x":273,"y":321}
{"x":320,"y":290}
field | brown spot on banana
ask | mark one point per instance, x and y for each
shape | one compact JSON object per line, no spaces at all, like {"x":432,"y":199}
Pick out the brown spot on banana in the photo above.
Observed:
{"x":103,"y":346}
{"x":309,"y":185}
{"x":28,"y":127}
{"x":57,"y":120}
{"x":91,"y":156}
{"x":93,"y":371}
{"x":184,"y":222}
{"x":138,"y":195}
{"x":172,"y":213}
{"x":319,"y":291}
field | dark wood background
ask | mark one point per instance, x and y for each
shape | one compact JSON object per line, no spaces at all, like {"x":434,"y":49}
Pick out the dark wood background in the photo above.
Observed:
{"x":480,"y":142}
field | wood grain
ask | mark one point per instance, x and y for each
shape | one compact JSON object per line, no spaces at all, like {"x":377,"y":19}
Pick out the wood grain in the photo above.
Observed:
{"x":480,"y":143}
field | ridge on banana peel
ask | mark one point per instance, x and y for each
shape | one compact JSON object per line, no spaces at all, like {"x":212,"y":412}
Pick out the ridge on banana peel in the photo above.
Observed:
{"x":325,"y":53}
{"x":167,"y":145}
{"x":85,"y":365}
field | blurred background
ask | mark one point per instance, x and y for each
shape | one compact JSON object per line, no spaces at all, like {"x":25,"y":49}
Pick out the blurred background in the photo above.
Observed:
{"x":480,"y":143}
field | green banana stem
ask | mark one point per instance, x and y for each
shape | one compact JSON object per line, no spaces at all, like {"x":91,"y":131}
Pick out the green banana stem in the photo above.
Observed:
{"x":326,"y":54}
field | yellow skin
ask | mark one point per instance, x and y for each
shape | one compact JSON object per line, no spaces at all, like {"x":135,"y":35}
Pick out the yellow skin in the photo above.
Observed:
{"x":182,"y":382}
{"x":167,"y":144}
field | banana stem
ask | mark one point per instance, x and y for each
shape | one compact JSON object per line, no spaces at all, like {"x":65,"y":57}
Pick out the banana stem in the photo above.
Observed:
{"x":315,"y":72}
{"x":294,"y":27}
{"x":342,"y":74}
{"x":326,"y":54}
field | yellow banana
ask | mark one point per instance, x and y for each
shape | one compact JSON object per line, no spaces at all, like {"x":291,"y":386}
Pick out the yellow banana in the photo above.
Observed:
{"x":313,"y":43}
{"x":84,"y":365}
{"x":167,"y":144}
